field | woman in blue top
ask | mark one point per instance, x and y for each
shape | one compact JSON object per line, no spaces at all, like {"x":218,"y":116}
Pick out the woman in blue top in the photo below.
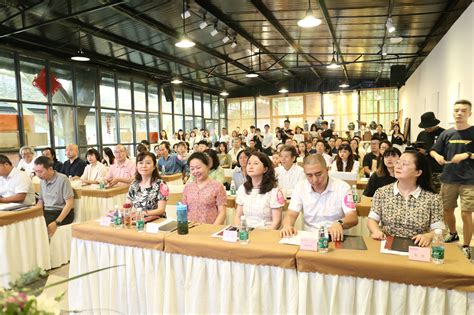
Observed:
{"x":240,"y":171}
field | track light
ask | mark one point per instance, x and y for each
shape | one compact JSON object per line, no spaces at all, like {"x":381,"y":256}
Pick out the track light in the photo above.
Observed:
{"x":283,"y":90}
{"x":390,"y":27}
{"x":186,"y":13}
{"x":226,"y":38}
{"x":384,"y":50}
{"x":234,"y":44}
{"x":214,"y":31}
{"x":309,"y":20}
{"x":224,"y":93}
{"x":203,"y":24}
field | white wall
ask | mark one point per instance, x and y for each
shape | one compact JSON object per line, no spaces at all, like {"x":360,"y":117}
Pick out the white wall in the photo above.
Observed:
{"x":445,"y":76}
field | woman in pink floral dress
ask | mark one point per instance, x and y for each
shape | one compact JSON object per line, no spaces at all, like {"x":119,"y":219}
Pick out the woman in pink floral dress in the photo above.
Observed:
{"x":205,"y":197}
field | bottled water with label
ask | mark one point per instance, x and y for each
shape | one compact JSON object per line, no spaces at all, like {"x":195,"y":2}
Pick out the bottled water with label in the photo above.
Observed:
{"x":243,"y":231}
{"x":437,"y":247}
{"x":323,"y":241}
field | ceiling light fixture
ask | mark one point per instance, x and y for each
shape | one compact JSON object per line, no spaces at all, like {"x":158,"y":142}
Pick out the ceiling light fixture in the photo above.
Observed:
{"x":390,"y":27}
{"x":396,"y":40}
{"x":226,"y":38}
{"x":186,"y":13}
{"x":309,"y":20}
{"x":214,"y":31}
{"x":334,"y":64}
{"x":224,"y":93}
{"x":80,"y":56}
{"x":384,"y":50}
{"x":283,"y":90}
{"x":234,"y":44}
{"x":204,"y":23}
{"x":251,"y":73}
{"x":344,"y":85}
{"x":176,"y":81}
{"x":184,"y":42}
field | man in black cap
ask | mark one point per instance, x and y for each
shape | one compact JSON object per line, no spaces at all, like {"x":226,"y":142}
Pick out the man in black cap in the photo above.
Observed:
{"x":425,"y":141}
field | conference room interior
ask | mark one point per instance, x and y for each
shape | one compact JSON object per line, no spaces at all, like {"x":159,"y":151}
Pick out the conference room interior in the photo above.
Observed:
{"x":103,"y":73}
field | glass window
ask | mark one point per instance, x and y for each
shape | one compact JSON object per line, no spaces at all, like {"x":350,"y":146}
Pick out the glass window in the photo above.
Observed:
{"x":7,"y":76}
{"x":379,"y":105}
{"x":36,"y":125}
{"x":263,"y":107}
{"x":178,"y":123}
{"x":197,"y":104}
{"x":168,"y":124}
{"x":61,"y":154}
{"x":109,"y":126}
{"x":87,"y":126}
{"x":85,"y":86}
{"x":188,"y":102}
{"x":126,"y":127}
{"x":198,"y":122}
{"x":154,"y":121}
{"x":188,"y":123}
{"x":248,"y":109}
{"x":178,"y":103}
{"x":140,"y":126}
{"x":207,"y":106}
{"x":152,"y":98}
{"x":167,"y":106}
{"x":63,"y":125}
{"x":288,"y":105}
{"x":10,"y":137}
{"x":107,"y":90}
{"x":61,"y":83}
{"x":342,"y":107}
{"x":124,"y":94}
{"x":139,"y":95}
{"x":33,"y":79}
{"x":222,"y":110}
{"x":313,"y":106}
{"x":215,"y":107}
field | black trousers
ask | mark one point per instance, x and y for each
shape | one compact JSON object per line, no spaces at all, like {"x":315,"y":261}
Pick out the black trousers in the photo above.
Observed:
{"x":52,"y":215}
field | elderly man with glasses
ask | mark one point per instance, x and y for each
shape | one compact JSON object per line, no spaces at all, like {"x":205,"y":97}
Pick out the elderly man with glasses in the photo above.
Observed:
{"x":122,"y":172}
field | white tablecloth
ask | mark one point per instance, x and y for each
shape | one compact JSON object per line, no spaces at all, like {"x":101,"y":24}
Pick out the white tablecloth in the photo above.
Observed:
{"x":332,"y":294}
{"x":175,"y":283}
{"x":92,"y":208}
{"x":24,"y":246}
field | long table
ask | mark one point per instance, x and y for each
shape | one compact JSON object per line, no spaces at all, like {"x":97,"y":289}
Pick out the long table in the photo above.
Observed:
{"x":24,"y":243}
{"x":195,"y":273}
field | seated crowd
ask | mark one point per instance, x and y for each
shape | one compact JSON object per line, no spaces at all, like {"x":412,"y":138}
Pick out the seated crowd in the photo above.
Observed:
{"x":267,"y":169}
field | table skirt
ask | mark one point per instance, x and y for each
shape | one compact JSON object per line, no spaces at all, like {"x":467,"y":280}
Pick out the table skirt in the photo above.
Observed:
{"x":92,"y":208}
{"x":24,"y":246}
{"x":332,"y":294}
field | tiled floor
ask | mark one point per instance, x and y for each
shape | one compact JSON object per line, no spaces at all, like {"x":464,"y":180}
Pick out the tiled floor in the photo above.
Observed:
{"x":57,"y":275}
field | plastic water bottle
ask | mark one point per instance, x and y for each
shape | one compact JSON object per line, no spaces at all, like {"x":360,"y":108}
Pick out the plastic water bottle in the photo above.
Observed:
{"x":182,"y":216}
{"x":118,"y":218}
{"x":243,"y":231}
{"x":232,"y":188}
{"x":437,"y":247}
{"x":323,"y":240}
{"x":140,"y":220}
{"x":355,"y":195}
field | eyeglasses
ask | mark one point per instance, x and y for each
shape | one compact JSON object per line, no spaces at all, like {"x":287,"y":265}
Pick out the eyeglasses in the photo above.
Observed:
{"x":403,"y":164}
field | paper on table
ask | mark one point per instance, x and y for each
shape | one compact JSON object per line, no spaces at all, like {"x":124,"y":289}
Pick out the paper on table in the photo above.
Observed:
{"x":296,"y":239}
{"x":383,"y":250}
{"x":10,"y":206}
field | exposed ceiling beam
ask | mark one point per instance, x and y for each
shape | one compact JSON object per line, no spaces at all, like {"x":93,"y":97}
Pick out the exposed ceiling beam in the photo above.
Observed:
{"x":262,"y":8}
{"x":235,"y":26}
{"x":111,"y":37}
{"x":141,"y":17}
{"x":389,"y":15}
{"x":35,"y":43}
{"x":443,"y":18}
{"x":332,"y":31}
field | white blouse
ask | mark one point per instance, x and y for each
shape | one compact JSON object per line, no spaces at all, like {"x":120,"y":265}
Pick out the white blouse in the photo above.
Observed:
{"x":94,"y":172}
{"x":257,"y":207}
{"x":355,"y":167}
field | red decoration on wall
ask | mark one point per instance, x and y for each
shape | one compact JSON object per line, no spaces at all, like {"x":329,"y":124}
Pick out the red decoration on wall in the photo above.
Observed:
{"x":40,"y":82}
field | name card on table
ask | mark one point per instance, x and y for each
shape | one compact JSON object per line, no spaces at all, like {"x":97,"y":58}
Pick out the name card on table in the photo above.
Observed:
{"x":309,"y":244}
{"x":230,"y":236}
{"x":105,"y":221}
{"x":152,"y":228}
{"x":419,"y":253}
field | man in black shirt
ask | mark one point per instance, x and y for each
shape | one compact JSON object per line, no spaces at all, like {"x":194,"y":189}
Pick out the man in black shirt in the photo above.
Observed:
{"x":425,"y":141}
{"x":379,"y":134}
{"x":454,"y":150}
{"x":371,"y":157}
{"x":327,"y":132}
{"x":74,"y":166}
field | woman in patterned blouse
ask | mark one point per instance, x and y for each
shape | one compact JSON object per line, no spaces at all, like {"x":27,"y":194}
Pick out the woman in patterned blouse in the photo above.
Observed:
{"x":148,"y":192}
{"x":205,"y":197}
{"x":409,"y":207}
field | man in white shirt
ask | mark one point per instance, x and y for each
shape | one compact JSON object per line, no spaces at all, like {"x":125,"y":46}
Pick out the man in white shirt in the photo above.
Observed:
{"x":288,"y":173}
{"x":236,"y":148}
{"x":250,"y":136}
{"x":321,"y":149}
{"x":15,"y":185}
{"x":267,"y":141}
{"x":324,"y":201}
{"x":27,"y":162}
{"x":225,"y":137}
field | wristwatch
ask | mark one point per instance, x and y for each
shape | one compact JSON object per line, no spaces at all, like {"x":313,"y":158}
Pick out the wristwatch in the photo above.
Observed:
{"x":58,"y":223}
{"x":340,"y":222}
{"x":469,"y":155}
